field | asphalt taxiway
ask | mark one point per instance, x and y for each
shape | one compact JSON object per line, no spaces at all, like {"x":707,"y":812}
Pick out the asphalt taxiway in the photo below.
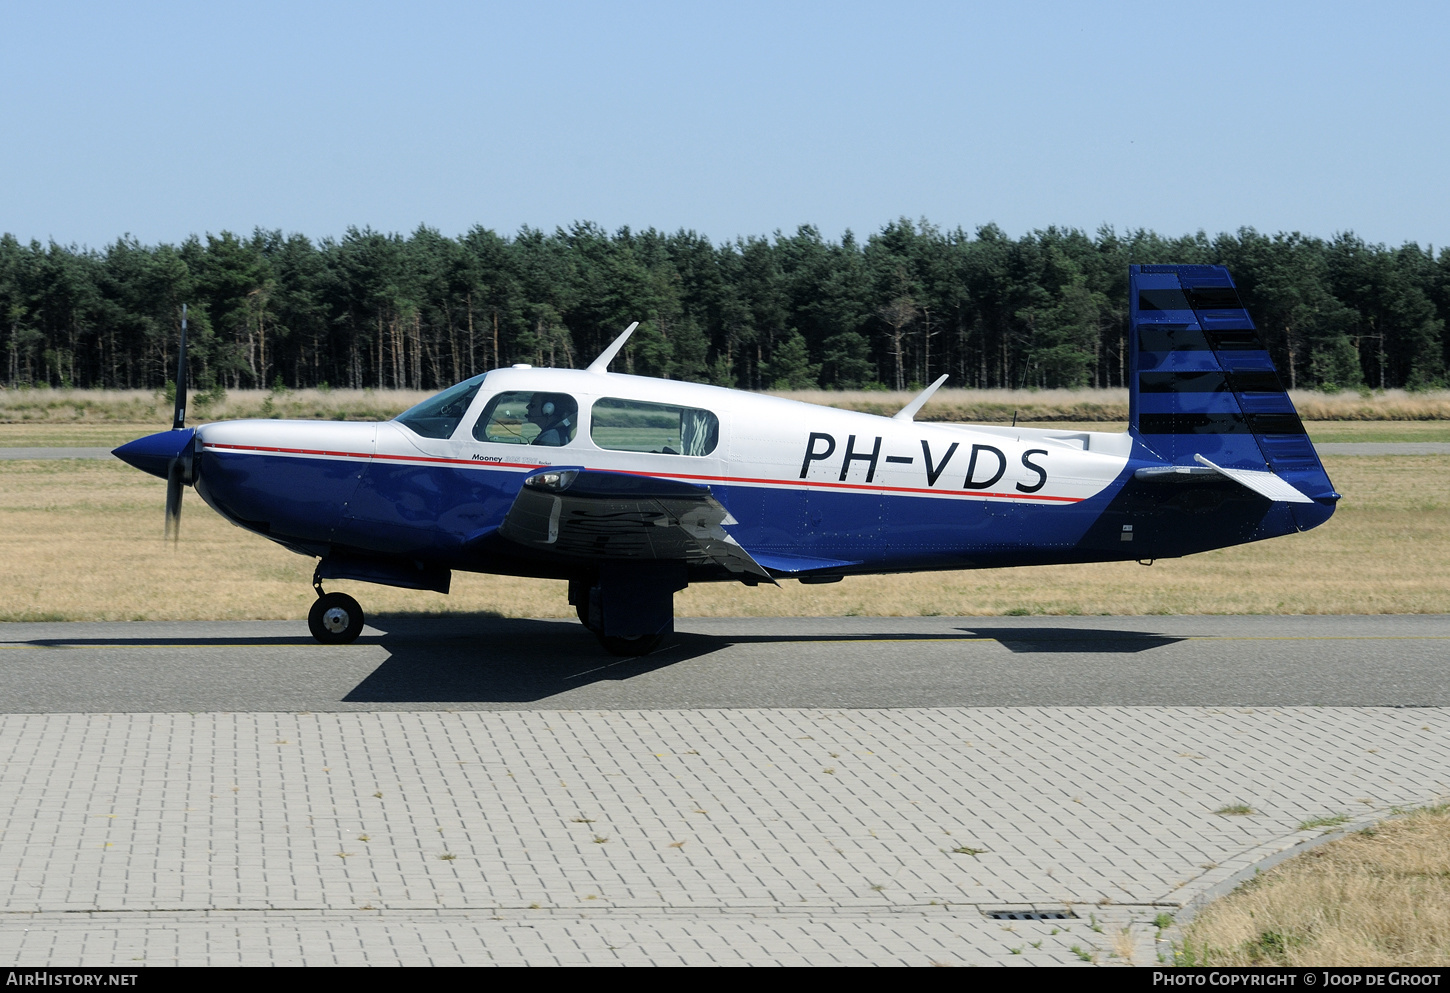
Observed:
{"x":479,"y":662}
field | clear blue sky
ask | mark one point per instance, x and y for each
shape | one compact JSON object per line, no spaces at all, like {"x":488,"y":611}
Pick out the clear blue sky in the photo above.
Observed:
{"x":164,"y":120}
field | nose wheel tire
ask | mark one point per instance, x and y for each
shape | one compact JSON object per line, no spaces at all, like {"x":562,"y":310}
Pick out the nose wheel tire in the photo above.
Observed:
{"x":335,"y":619}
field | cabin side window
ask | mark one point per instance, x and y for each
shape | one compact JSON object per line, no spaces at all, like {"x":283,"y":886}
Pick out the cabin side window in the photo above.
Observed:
{"x":529,"y":418}
{"x":636,"y":426}
{"x":438,"y":416}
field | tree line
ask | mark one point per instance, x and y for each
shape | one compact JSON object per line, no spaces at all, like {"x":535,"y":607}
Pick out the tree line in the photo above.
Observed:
{"x":1048,"y":309}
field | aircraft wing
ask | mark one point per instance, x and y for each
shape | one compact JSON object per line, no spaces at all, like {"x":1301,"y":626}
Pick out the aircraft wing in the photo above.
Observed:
{"x":617,"y":515}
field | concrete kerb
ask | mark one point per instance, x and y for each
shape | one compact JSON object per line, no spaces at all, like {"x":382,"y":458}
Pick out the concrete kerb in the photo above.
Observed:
{"x":1307,"y":841}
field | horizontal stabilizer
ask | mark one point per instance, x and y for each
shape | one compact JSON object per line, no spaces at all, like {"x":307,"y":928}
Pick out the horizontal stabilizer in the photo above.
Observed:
{"x":1263,"y":483}
{"x":1175,"y":473}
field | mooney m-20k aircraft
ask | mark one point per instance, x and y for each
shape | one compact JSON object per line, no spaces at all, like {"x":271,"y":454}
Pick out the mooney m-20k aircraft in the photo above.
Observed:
{"x":631,"y":488}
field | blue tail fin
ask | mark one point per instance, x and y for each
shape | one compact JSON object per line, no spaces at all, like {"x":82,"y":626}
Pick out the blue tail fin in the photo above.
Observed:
{"x":1203,"y":384}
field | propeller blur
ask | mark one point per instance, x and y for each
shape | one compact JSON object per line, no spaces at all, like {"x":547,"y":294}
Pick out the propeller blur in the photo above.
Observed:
{"x":631,"y":488}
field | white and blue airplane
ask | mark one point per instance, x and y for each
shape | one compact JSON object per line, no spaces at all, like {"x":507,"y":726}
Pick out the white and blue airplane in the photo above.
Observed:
{"x":632,"y":488}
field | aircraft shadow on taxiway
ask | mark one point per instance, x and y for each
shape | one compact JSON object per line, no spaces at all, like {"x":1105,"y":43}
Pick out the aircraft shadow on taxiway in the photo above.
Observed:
{"x":489,"y":659}
{"x":484,"y":658}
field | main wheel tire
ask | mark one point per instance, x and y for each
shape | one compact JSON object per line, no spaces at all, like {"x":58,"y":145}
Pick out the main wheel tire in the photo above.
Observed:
{"x":628,"y":647}
{"x":335,"y":619}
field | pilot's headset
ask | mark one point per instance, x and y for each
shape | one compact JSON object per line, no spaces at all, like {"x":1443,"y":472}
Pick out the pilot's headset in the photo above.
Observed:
{"x":549,"y":406}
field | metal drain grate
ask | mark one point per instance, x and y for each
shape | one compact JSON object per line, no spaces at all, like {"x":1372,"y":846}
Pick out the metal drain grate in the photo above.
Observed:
{"x":1032,"y":915}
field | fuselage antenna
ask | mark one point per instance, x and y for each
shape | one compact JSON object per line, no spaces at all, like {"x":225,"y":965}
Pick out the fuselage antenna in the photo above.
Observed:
{"x":601,"y":364}
{"x":909,"y":411}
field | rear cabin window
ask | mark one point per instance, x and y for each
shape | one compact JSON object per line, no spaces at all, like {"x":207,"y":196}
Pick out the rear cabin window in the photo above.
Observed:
{"x":438,"y":416}
{"x":636,"y":426}
{"x":528,"y":418}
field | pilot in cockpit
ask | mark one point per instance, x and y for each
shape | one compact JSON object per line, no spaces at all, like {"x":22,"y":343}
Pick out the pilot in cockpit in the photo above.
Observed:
{"x":554,"y":413}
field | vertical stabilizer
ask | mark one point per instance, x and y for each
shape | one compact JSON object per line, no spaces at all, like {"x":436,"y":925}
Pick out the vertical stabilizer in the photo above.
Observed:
{"x":1203,"y":383}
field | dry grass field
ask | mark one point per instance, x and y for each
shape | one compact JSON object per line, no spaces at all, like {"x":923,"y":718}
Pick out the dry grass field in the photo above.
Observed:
{"x":1379,"y":897}
{"x":81,"y":540}
{"x":1097,"y":406}
{"x":151,"y":407}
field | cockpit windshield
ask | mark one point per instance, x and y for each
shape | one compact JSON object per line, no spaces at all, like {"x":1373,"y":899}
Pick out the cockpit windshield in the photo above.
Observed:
{"x":438,"y":416}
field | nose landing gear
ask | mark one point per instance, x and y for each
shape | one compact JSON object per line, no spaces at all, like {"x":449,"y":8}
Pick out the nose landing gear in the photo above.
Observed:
{"x":335,"y":618}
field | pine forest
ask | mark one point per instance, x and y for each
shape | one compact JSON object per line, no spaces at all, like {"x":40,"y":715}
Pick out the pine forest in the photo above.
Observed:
{"x":794,"y":311}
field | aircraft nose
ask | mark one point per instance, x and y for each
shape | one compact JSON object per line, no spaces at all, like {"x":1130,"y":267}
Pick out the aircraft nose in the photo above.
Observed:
{"x":155,"y":452}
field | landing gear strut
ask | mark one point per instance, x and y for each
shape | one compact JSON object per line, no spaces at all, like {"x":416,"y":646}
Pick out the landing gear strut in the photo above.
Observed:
{"x":629,"y":607}
{"x":335,"y":618}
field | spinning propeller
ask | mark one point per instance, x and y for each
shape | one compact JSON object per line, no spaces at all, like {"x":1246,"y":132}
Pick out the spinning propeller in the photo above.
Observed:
{"x":170,"y":454}
{"x":181,"y":471}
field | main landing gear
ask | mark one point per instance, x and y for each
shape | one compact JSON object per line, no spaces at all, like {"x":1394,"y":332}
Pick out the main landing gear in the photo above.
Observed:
{"x":629,"y":606}
{"x":335,"y":618}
